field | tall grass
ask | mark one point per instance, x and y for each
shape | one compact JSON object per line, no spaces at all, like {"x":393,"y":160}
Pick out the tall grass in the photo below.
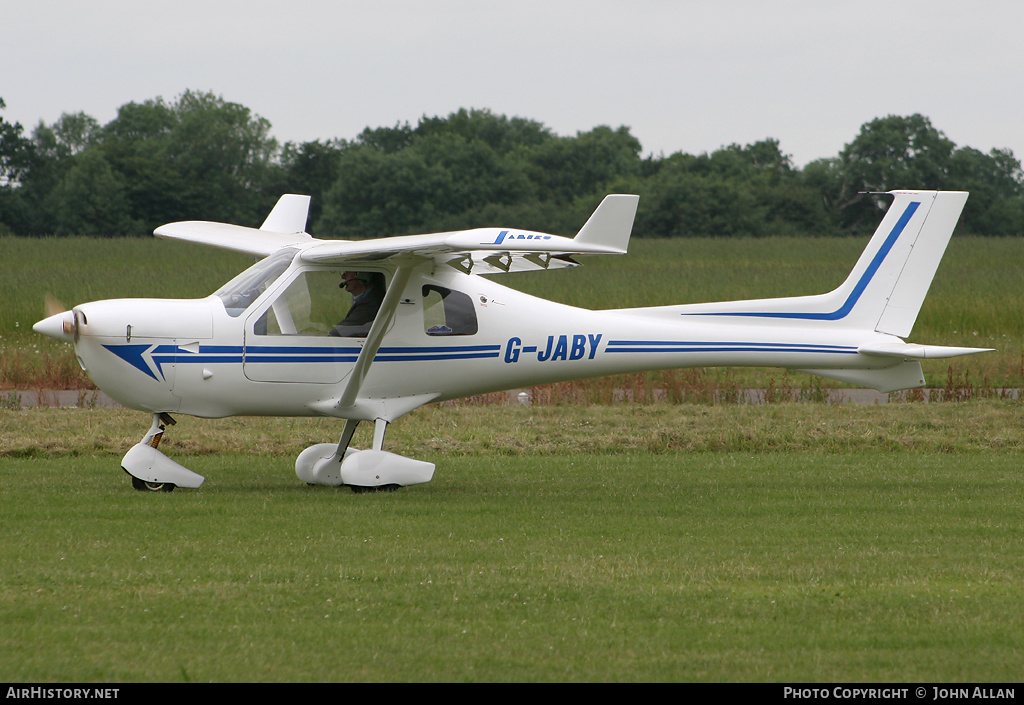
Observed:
{"x":976,"y":300}
{"x":461,"y":429}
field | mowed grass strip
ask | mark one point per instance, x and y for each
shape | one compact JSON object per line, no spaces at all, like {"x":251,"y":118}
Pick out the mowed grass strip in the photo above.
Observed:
{"x":594,"y":548}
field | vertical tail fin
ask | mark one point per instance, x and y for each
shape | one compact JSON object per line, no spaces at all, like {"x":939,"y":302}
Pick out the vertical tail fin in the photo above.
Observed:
{"x":887,"y":286}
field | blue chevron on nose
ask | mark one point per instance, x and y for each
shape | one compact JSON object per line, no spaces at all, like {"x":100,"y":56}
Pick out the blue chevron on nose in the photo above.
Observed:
{"x":146,"y":357}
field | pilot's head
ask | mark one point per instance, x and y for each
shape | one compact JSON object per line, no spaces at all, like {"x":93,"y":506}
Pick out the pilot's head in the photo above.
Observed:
{"x":356,"y":283}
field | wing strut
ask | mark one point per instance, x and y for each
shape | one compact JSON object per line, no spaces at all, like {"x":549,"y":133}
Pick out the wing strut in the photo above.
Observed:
{"x":376,"y":335}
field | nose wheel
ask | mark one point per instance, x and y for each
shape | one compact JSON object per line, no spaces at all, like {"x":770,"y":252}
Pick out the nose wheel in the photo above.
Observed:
{"x":144,"y":486}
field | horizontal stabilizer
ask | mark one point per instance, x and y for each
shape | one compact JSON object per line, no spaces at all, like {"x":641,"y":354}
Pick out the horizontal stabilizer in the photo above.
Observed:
{"x":918,"y":352}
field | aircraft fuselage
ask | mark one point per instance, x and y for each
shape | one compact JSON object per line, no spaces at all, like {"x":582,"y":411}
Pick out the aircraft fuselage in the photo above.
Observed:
{"x":192,"y":357}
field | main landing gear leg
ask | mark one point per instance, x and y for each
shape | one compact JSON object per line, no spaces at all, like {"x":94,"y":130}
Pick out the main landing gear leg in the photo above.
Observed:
{"x":380,"y":427}
{"x":346,"y":439}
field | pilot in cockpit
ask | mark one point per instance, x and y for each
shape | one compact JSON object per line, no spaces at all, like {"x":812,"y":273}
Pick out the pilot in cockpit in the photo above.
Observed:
{"x":367,"y":289}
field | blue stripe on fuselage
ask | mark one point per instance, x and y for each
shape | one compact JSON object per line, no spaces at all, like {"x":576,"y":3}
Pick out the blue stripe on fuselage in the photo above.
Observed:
{"x":139,"y":356}
{"x":678,"y":346}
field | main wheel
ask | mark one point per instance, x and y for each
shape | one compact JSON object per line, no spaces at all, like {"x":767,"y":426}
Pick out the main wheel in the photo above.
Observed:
{"x":144,"y":486}
{"x":361,"y":489}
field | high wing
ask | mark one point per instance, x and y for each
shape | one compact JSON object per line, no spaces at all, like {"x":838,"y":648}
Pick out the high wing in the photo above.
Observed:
{"x":477,"y":251}
{"x":285,"y":226}
{"x":493,"y":250}
{"x":480,"y":251}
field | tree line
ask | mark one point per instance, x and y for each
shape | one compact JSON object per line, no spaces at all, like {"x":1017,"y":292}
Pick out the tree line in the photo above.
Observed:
{"x":201,"y":157}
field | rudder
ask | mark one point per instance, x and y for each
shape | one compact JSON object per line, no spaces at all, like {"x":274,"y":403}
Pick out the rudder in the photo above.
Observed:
{"x":914,"y":278}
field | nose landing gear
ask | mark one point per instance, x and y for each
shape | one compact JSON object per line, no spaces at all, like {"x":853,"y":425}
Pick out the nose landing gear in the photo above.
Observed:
{"x":151,"y":470}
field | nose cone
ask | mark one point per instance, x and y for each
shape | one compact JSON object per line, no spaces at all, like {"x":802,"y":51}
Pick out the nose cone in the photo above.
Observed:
{"x":60,"y":326}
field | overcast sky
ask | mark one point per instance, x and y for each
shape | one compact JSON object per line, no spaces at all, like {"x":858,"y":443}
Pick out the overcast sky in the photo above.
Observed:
{"x":683,"y":75}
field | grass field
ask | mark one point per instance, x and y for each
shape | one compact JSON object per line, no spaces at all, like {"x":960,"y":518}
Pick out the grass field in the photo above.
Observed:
{"x":594,"y":541}
{"x":976,"y":300}
{"x":663,"y":542}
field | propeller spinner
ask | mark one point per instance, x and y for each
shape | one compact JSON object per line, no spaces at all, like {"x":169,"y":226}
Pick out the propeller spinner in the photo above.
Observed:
{"x":59,"y":322}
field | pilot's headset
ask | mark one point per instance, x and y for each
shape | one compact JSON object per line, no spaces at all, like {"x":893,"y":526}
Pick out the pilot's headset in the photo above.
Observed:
{"x":365,"y":277}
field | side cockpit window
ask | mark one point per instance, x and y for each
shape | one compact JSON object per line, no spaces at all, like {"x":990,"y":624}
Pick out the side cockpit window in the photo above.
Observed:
{"x":447,"y":312}
{"x":319,"y":302}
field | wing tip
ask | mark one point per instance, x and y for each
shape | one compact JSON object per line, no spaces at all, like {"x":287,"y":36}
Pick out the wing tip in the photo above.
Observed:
{"x":289,"y":215}
{"x":611,"y":224}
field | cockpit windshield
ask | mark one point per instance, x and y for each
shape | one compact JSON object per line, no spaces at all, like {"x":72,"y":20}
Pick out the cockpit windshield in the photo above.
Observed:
{"x":241,"y":291}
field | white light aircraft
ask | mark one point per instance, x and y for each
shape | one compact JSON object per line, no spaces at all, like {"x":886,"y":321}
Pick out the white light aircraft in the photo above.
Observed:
{"x":263,"y":345}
